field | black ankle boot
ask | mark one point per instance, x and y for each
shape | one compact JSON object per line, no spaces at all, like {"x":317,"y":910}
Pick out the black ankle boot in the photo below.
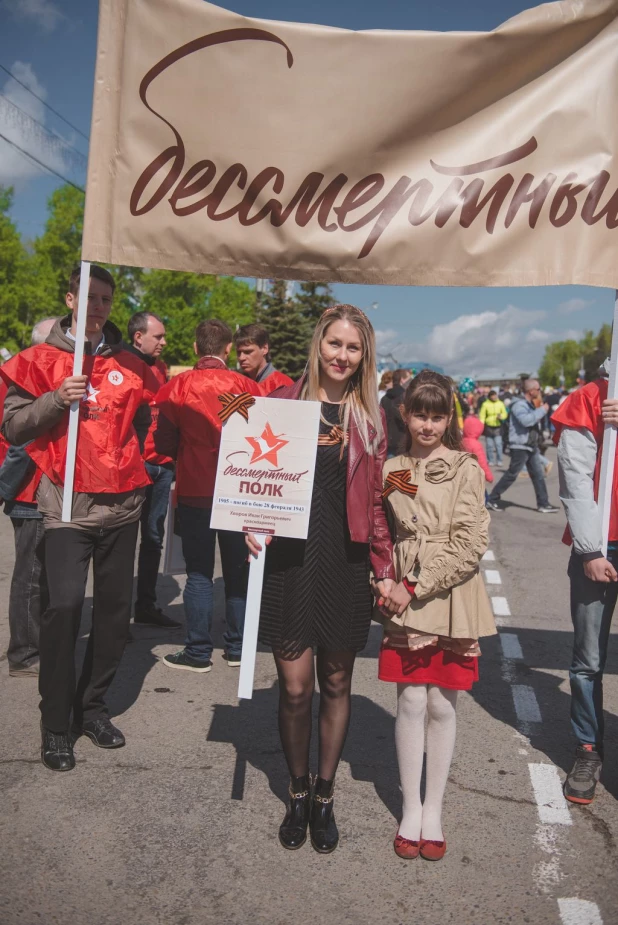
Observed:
{"x":324,"y":833}
{"x":293,"y":829}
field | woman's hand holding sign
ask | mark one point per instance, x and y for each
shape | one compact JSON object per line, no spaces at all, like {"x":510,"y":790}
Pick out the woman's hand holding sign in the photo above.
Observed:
{"x":254,"y":547}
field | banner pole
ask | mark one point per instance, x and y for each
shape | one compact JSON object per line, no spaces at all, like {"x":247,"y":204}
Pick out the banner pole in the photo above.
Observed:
{"x":78,"y":364}
{"x":608,"y":456}
{"x":252,"y":620}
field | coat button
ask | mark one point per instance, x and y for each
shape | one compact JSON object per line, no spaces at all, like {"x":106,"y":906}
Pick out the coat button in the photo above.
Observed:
{"x":414,"y":518}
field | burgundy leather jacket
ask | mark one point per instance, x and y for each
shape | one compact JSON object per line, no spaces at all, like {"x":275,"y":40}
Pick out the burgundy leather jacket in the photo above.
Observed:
{"x":366,"y":518}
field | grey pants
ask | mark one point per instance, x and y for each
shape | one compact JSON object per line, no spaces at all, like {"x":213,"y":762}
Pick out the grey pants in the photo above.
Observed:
{"x":28,"y":597}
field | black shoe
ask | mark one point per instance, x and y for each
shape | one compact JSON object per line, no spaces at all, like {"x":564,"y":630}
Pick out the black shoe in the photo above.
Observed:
{"x":493,"y":505}
{"x":293,"y":829}
{"x":101,"y":731}
{"x":324,"y":832}
{"x":584,"y":776}
{"x":547,"y":509}
{"x":56,"y":750}
{"x":182,"y":660}
{"x":154,"y":616}
{"x":233,"y":661}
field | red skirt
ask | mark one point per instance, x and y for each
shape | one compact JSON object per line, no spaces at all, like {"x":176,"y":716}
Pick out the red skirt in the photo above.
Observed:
{"x":429,"y":665}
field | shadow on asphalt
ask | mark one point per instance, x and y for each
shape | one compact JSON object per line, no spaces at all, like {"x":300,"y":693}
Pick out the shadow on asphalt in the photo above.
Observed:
{"x":545,"y":651}
{"x":251,"y":727}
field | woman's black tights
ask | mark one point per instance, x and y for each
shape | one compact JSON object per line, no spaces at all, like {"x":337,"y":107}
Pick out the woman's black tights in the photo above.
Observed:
{"x":296,"y":686}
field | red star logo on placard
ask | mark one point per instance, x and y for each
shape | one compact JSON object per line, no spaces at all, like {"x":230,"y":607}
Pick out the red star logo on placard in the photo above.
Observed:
{"x":266,"y":446}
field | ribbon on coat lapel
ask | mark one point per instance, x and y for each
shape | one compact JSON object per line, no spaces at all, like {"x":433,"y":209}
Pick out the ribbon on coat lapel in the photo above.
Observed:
{"x":399,"y":480}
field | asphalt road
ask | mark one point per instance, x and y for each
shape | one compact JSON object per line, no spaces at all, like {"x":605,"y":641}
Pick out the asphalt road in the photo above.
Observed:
{"x":179,"y":827}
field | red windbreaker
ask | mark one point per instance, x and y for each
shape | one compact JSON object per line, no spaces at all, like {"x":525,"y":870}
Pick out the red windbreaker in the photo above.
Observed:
{"x":150,"y":454}
{"x":108,"y":454}
{"x":583,"y":409}
{"x":189,"y":404}
{"x":274,"y":381}
{"x":27,"y":490}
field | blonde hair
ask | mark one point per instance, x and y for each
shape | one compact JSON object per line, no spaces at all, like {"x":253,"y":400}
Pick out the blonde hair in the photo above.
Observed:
{"x":361,"y":398}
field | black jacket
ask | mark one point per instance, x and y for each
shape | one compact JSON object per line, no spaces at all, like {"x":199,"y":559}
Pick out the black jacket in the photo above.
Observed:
{"x":395,"y":426}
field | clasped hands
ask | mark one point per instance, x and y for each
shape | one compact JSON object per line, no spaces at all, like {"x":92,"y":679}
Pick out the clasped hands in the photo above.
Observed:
{"x":392,"y":596}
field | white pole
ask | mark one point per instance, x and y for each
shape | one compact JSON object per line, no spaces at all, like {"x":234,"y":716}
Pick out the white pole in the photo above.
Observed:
{"x":78,"y":363}
{"x":608,"y":457}
{"x":252,"y":620}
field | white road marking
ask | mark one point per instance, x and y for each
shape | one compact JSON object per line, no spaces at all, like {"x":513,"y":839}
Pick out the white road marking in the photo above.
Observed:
{"x":500,"y":607}
{"x":511,"y":647}
{"x":526,"y":704}
{"x":552,"y":808}
{"x":550,"y":801}
{"x":579,"y":912}
{"x":546,"y":873}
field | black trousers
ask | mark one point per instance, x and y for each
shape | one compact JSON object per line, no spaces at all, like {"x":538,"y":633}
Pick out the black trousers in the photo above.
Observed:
{"x":29,"y":597}
{"x":67,"y":556}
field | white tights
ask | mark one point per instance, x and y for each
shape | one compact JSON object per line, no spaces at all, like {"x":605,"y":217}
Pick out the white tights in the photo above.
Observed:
{"x":413,"y":702}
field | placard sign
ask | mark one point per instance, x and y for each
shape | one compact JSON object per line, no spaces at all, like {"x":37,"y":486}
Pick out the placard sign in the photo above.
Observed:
{"x":266,"y":467}
{"x":264,"y":485}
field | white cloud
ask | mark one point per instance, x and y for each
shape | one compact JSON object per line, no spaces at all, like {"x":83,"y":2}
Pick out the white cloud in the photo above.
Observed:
{"x":44,"y":13}
{"x":16,"y":106}
{"x":573,"y":305}
{"x":483,"y":345}
{"x":570,"y":334}
{"x":536,"y":336}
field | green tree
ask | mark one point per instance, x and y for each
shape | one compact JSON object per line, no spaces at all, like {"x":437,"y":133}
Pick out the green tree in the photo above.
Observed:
{"x":127,"y":295}
{"x":58,"y":250}
{"x":182,"y":300}
{"x":561,"y":358}
{"x":313,"y":299}
{"x":601,"y":349}
{"x":288,"y":329}
{"x":18,"y":309}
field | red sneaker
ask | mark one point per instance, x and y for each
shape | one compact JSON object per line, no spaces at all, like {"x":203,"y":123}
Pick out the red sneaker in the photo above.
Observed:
{"x":432,"y":850}
{"x":405,"y":848}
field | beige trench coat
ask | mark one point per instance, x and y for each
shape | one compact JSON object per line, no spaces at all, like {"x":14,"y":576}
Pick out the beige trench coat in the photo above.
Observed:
{"x":440,"y":536}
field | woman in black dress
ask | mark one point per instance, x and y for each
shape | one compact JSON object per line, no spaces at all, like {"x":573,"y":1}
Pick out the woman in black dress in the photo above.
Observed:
{"x":317,"y":592}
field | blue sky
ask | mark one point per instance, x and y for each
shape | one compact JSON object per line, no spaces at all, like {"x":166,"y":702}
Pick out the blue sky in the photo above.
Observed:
{"x":50,"y":45}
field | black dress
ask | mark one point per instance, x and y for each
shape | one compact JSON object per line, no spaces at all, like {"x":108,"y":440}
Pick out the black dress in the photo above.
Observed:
{"x":316,"y":591}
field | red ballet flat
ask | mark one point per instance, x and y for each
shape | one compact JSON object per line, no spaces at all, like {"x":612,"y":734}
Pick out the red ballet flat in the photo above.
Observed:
{"x":405,"y":848}
{"x":432,"y":850}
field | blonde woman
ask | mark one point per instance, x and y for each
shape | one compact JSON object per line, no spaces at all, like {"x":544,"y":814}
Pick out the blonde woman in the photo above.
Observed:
{"x":317,"y":592}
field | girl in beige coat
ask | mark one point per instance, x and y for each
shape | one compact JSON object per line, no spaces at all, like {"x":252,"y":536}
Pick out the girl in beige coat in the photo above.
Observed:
{"x":434,"y":495}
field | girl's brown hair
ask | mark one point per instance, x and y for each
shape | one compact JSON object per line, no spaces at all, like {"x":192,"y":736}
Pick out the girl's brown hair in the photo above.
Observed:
{"x":361,"y":398}
{"x":431,"y":393}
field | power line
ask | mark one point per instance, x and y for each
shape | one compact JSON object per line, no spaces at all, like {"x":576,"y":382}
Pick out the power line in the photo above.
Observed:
{"x":44,"y":127}
{"x":41,"y":100}
{"x":40,"y":163}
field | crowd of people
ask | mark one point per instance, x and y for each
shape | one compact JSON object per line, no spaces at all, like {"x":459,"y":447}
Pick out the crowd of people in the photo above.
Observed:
{"x":399,"y":523}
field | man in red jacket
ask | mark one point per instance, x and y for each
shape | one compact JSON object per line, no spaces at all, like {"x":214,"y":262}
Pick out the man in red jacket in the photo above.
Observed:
{"x":253,"y":352}
{"x":189,"y":429}
{"x":19,"y":480}
{"x":580,"y":423}
{"x":146,"y":340}
{"x":110,"y":481}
